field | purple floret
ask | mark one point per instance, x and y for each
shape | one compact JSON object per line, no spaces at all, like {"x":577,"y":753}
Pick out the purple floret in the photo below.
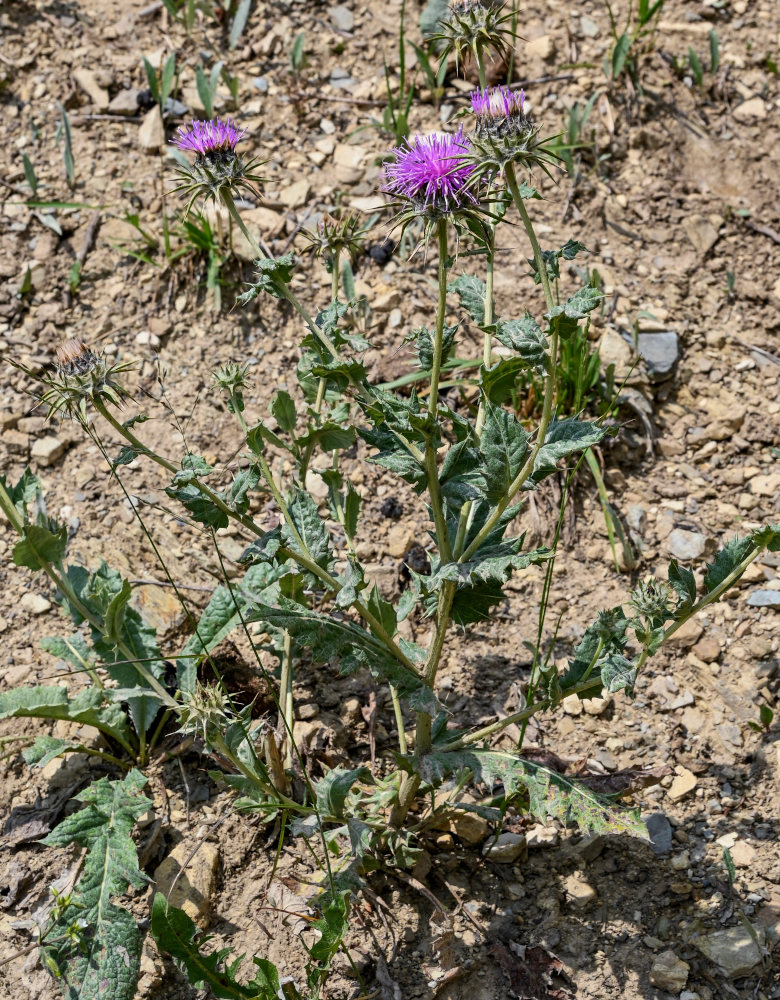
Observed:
{"x":431,"y":169}
{"x":209,"y":137}
{"x":497,"y":102}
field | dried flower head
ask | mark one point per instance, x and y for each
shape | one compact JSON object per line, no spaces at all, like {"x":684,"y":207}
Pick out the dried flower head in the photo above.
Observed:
{"x":473,"y":27}
{"x":503,"y":133}
{"x":332,"y":236}
{"x":79,"y":375}
{"x":218,"y":168}
{"x":74,"y":357}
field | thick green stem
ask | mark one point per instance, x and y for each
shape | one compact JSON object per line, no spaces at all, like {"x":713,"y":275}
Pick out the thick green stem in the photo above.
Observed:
{"x":447,"y":593}
{"x":511,"y":182}
{"x":441,"y":310}
{"x":281,"y":288}
{"x":286,"y":697}
{"x":399,"y":719}
{"x":550,"y":385}
{"x":467,"y":509}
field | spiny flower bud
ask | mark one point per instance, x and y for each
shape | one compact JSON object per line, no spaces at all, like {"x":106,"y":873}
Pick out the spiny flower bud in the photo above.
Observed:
{"x":217,"y":167}
{"x":503,"y":133}
{"x":205,"y":712}
{"x":232,"y":378}
{"x":471,"y":27}
{"x":332,"y":236}
{"x":651,"y":599}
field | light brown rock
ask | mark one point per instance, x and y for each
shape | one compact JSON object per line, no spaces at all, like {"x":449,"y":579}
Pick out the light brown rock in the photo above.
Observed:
{"x":701,"y":232}
{"x":296,"y":194}
{"x":193,"y":890}
{"x":669,"y":972}
{"x":46,"y":450}
{"x":682,"y":785}
{"x":581,"y":893}
{"x":750,"y":110}
{"x":151,"y":134}
{"x":542,"y":47}
{"x":85,"y":78}
{"x":742,"y":854}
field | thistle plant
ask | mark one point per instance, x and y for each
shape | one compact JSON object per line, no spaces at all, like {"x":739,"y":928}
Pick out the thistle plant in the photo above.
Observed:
{"x":304,"y":583}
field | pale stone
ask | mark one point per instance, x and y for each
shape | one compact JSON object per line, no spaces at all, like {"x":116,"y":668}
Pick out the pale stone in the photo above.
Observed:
{"x":125,"y":103}
{"x":85,"y":78}
{"x":755,"y":108}
{"x":316,"y":485}
{"x":542,"y":47}
{"x":35,"y":604}
{"x":506,"y":848}
{"x":683,"y":784}
{"x":296,"y":194}
{"x":743,"y":855}
{"x":688,"y":634}
{"x":766,"y":486}
{"x":400,"y":539}
{"x":733,"y":949}
{"x":707,"y":649}
{"x":572,"y":705}
{"x":151,"y":134}
{"x":581,"y":893}
{"x":701,"y":232}
{"x":686,"y":545}
{"x":195,"y":886}
{"x":469,"y":826}
{"x":596,"y":706}
{"x":342,"y":17}
{"x":46,"y":450}
{"x":542,"y":836}
{"x":669,"y":972}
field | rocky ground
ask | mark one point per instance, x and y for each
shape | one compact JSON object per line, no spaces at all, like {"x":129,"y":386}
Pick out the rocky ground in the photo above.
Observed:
{"x":677,"y":202}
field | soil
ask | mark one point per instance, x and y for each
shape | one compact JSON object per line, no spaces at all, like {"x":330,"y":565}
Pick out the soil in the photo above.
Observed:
{"x":677,"y":203}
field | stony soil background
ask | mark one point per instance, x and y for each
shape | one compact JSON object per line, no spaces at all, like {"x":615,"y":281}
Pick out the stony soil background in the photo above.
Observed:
{"x":681,"y":192}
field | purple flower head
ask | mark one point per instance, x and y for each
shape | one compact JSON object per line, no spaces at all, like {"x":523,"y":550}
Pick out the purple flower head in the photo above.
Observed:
{"x":497,"y":102}
{"x":432,"y":171}
{"x":212,"y":137}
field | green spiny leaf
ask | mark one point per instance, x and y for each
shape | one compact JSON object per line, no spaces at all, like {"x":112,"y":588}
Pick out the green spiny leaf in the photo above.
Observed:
{"x":618,"y":673}
{"x":726,"y":561}
{"x":524,"y":336}
{"x":549,"y":794}
{"x":176,"y":934}
{"x":332,"y":790}
{"x":578,"y":305}
{"x":310,"y":527}
{"x":39,"y":545}
{"x":86,"y":708}
{"x":564,"y":438}
{"x":471,"y":291}
{"x":283,"y":410}
{"x":105,"y":959}
{"x":504,"y":446}
{"x":683,"y":583}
